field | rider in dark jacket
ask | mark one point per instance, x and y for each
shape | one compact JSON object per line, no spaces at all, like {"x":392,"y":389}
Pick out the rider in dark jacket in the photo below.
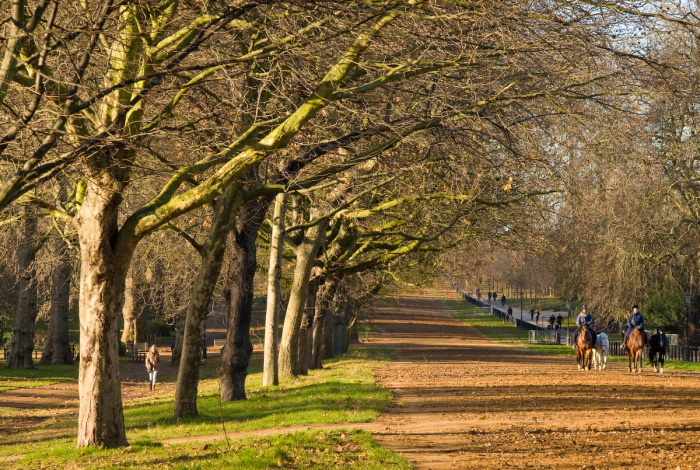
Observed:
{"x":585,"y":318}
{"x":634,"y":320}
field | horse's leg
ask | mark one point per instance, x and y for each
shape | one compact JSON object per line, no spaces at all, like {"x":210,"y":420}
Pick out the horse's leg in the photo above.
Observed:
{"x":589,"y":358}
{"x":605,"y":359}
{"x":639,"y":359}
{"x":629,"y":360}
{"x":661,"y":361}
{"x":578,"y":358}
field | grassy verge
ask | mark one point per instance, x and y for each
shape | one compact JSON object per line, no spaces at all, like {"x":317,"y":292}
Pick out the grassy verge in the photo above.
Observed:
{"x":307,"y":450}
{"x":42,"y":375}
{"x":342,"y":392}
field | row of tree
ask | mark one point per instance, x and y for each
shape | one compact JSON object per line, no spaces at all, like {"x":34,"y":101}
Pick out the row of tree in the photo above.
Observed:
{"x":342,"y":139}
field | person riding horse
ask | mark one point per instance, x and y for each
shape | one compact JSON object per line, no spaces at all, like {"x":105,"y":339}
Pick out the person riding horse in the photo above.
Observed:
{"x":635,"y":319}
{"x":585,"y":318}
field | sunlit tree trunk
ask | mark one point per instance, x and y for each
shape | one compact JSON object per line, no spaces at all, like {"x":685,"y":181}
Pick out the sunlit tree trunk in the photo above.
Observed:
{"x":130,"y":332}
{"x":306,"y":255}
{"x":103,"y":270}
{"x":198,"y":308}
{"x":270,"y":371}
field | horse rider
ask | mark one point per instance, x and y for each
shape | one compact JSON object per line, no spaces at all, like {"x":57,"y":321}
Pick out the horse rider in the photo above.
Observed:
{"x":585,"y":318}
{"x":635,"y":319}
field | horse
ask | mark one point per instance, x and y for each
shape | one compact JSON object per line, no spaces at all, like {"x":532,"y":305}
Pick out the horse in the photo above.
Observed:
{"x":584,"y":348}
{"x":600,"y":352}
{"x":658,"y":343}
{"x":635,"y":347}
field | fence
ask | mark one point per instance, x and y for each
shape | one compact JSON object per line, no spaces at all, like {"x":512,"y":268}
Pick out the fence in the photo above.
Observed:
{"x":544,"y":336}
{"x":539,"y":334}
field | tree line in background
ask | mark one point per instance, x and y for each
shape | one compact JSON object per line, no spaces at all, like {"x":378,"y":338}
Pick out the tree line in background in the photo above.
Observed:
{"x":160,"y":157}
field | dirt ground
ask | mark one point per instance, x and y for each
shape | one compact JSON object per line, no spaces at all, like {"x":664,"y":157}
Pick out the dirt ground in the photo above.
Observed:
{"x":465,"y":401}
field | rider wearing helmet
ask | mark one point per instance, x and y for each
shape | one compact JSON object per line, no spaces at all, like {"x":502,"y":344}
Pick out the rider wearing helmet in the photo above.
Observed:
{"x":585,"y":318}
{"x":634,"y":320}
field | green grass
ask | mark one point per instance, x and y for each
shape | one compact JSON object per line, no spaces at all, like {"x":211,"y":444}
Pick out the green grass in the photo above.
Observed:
{"x":342,"y":392}
{"x":42,"y":375}
{"x":306,"y":449}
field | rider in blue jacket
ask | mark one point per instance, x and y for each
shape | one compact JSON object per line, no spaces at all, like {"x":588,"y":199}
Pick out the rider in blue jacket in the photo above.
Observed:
{"x":585,"y":318}
{"x":634,"y":320}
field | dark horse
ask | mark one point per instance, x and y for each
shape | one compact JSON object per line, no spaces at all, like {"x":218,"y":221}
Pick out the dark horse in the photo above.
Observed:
{"x":584,"y":348}
{"x":635,"y":348}
{"x":658,"y":343}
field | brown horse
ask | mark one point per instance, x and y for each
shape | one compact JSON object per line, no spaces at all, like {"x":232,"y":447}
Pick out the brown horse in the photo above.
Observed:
{"x":635,"y":347}
{"x":584,"y":348}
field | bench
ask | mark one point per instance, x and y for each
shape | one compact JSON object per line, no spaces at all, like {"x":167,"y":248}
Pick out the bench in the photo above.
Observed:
{"x":219,"y":343}
{"x":137,"y":352}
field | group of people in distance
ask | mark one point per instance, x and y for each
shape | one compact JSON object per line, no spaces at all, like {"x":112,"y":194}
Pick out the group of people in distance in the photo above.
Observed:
{"x":634,"y":320}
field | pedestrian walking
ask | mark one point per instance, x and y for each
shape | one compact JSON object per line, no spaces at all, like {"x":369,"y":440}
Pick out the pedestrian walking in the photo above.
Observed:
{"x":503,"y":301}
{"x":532,"y":314}
{"x":152,"y":363}
{"x":560,"y":320}
{"x":537,"y":316}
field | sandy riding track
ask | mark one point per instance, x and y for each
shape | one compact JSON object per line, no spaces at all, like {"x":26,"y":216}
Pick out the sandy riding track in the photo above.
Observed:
{"x":465,"y":401}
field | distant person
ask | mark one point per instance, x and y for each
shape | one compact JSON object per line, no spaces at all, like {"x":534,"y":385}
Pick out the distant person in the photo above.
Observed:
{"x":635,"y":319}
{"x":585,"y":318}
{"x":532,"y":314}
{"x":494,"y":296}
{"x":551,"y":321}
{"x":510,"y":311}
{"x":560,"y":320}
{"x":537,"y":316}
{"x":489,"y":296}
{"x":503,"y":301}
{"x":152,"y":363}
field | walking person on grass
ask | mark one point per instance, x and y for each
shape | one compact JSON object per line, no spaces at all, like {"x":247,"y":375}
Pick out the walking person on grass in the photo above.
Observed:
{"x":152,"y":363}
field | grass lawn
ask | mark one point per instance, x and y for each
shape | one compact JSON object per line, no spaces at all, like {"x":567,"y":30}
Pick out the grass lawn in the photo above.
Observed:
{"x":42,"y":375}
{"x":342,"y":392}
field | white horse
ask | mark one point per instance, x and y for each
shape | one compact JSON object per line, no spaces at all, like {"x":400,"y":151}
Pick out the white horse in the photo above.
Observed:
{"x":600,"y":352}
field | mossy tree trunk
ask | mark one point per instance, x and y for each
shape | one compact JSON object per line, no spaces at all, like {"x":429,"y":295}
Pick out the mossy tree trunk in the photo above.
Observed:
{"x":274,"y":276}
{"x":306,"y":254}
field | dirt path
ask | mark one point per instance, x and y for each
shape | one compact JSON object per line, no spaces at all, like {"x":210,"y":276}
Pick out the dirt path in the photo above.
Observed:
{"x":464,"y":401}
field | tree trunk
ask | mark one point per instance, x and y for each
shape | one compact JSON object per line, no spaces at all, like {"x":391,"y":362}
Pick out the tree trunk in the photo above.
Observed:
{"x":57,"y":349}
{"x":198,"y":308}
{"x":303,"y":345}
{"x":179,"y":337}
{"x":22,"y":344}
{"x":307,"y":324}
{"x":323,"y":306}
{"x":306,"y":255}
{"x":130,"y":332}
{"x":235,"y":355}
{"x":270,"y":372}
{"x":103,"y":270}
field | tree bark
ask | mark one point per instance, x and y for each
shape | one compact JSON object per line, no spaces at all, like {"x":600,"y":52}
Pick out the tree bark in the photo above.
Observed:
{"x":58,"y":349}
{"x":324,"y":298}
{"x":306,"y":255}
{"x":22,"y":343}
{"x":235,"y":355}
{"x":198,"y":308}
{"x":103,"y":270}
{"x":270,"y":371}
{"x":130,"y":332}
{"x":179,"y":337}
